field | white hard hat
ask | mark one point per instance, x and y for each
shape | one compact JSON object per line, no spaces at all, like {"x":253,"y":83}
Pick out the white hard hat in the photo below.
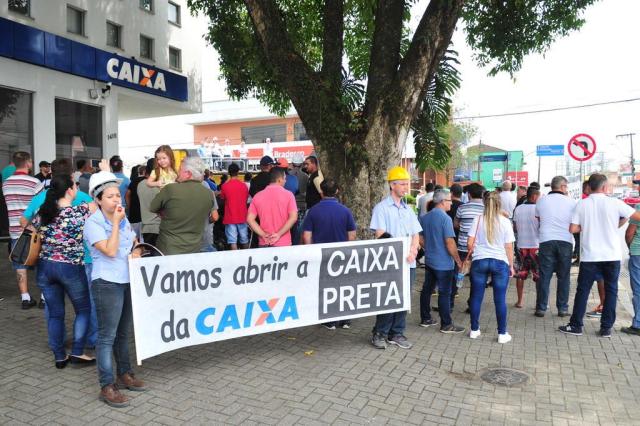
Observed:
{"x":298,"y":159}
{"x":99,"y":180}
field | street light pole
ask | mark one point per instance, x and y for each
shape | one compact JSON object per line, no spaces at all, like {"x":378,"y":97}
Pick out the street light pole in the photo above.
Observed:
{"x":633,"y":162}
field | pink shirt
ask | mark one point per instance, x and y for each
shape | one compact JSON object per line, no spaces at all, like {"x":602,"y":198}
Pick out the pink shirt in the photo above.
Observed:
{"x":273,"y":205}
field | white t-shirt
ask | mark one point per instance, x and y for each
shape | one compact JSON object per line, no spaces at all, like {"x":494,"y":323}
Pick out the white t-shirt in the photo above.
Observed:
{"x":555,"y":211}
{"x":485,"y":250}
{"x":599,"y":217}
{"x":527,"y":225}
{"x":508,"y":202}
{"x":243,"y":150}
{"x":424,"y":202}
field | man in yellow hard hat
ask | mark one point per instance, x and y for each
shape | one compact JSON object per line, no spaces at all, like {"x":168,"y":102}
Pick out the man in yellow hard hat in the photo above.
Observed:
{"x":395,"y":218}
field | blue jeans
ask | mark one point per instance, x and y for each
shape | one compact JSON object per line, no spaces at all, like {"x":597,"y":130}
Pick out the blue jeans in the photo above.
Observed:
{"x":92,"y":332}
{"x":113,"y":307}
{"x":237,"y":233}
{"x":554,"y":256}
{"x":56,"y":279}
{"x":393,"y":324}
{"x":499,"y":272}
{"x":443,"y":280}
{"x":590,"y":272}
{"x":634,"y":273}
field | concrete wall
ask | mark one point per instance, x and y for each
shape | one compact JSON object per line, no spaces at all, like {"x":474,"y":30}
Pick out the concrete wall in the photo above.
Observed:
{"x":233,"y":132}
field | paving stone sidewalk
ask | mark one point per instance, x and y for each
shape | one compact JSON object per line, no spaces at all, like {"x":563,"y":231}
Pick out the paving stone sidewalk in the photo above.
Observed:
{"x":268,"y":379}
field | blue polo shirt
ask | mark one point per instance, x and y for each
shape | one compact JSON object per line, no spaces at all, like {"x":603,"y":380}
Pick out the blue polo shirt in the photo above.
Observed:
{"x":124,"y":185}
{"x":437,"y":226}
{"x":398,"y":220}
{"x":38,"y":201}
{"x":291,"y":183}
{"x":114,"y":269}
{"x":329,"y":222}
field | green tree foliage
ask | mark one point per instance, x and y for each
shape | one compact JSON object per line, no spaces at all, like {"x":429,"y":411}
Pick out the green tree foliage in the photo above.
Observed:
{"x":360,"y":78}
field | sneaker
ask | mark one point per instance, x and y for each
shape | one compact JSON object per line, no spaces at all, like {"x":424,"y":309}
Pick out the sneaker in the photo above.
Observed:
{"x":569,"y":329}
{"x":28,"y":304}
{"x":563,"y":314}
{"x":41,"y":304}
{"x":400,"y":341}
{"x":428,"y":323}
{"x":452,"y":329}
{"x":605,"y":332}
{"x":594,"y":314}
{"x":346,"y":325}
{"x":329,"y":325}
{"x":504,"y":338}
{"x":539,"y":314}
{"x":631,"y":330}
{"x":474,"y":334}
{"x":378,"y":341}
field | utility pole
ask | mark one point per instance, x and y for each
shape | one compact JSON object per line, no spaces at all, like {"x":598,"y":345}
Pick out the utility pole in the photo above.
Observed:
{"x":479,"y":155}
{"x":633,"y":162}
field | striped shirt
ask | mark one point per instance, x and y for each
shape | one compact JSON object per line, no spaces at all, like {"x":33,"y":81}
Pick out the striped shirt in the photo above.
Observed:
{"x":465,"y":215}
{"x":18,"y":191}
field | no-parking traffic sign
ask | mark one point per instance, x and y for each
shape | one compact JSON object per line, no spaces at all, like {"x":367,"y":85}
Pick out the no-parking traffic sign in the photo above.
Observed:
{"x":581,"y":147}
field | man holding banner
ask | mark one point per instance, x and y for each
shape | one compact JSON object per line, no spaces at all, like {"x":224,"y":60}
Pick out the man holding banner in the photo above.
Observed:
{"x":394,"y":217}
{"x":329,"y":222}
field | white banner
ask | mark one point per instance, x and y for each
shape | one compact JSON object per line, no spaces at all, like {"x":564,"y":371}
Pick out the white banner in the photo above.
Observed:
{"x":187,"y":300}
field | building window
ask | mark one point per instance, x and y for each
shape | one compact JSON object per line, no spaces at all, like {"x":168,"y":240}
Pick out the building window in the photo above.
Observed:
{"x":78,"y":130}
{"x":146,"y":5}
{"x":114,"y":35}
{"x":174,"y":13}
{"x":75,"y":20}
{"x":146,"y":47}
{"x":16,"y":127}
{"x":299,"y":132}
{"x":258,"y":134}
{"x":175,"y":58}
{"x":20,"y":6}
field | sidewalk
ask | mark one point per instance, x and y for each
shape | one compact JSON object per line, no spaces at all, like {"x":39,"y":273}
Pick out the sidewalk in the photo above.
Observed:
{"x":313,"y":375}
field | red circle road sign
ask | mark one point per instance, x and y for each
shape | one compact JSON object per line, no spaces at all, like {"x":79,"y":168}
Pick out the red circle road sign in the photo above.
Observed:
{"x":581,"y":147}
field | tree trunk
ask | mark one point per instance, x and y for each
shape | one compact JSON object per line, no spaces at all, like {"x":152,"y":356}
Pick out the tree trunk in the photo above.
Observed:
{"x":361,"y":173}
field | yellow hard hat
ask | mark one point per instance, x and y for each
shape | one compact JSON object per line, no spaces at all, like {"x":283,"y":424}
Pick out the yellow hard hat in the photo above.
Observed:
{"x":398,"y":173}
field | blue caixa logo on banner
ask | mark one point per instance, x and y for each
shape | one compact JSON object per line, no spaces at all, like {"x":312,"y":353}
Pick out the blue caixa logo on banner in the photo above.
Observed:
{"x":28,"y":44}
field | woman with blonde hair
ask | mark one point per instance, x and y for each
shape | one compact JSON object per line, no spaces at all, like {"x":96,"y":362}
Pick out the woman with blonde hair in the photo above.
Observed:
{"x":491,"y":249}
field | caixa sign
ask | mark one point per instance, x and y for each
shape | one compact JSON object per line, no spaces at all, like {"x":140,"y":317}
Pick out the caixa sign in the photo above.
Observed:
{"x":32,"y":45}
{"x":145,"y":77}
{"x":138,"y":76}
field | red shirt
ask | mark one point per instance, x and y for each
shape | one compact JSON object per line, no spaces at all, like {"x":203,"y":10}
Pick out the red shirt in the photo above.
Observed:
{"x":235,"y":194}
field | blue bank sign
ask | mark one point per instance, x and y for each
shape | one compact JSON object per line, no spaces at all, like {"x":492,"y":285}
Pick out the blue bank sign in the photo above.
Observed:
{"x":550,"y":150}
{"x":28,"y":44}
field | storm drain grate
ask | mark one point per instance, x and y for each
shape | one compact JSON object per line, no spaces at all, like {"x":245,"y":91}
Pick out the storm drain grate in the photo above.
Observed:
{"x":505,"y":376}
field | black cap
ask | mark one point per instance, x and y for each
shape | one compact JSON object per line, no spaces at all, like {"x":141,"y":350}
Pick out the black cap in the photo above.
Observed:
{"x":266,"y":161}
{"x":44,"y":164}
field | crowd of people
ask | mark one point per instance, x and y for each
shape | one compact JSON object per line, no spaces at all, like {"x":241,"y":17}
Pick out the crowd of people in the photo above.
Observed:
{"x":92,"y":219}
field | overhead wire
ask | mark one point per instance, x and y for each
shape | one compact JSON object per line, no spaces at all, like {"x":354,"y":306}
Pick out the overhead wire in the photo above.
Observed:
{"x":538,"y":111}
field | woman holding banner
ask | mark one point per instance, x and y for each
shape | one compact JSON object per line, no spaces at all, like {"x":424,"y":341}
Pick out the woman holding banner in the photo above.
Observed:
{"x":110,"y":237}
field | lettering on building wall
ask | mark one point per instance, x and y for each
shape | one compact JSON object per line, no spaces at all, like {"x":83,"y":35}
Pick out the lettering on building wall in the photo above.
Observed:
{"x":136,"y":75}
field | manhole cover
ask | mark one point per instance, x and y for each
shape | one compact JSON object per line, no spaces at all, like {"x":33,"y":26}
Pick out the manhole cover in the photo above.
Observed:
{"x":505,"y":376}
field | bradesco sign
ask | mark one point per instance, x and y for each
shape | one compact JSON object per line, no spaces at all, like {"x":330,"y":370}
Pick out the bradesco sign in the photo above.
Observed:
{"x":187,"y":300}
{"x":138,"y":76}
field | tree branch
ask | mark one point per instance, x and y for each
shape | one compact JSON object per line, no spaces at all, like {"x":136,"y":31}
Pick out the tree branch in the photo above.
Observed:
{"x":430,"y":41}
{"x":385,"y":50}
{"x":332,"y":43}
{"x":291,"y":70}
